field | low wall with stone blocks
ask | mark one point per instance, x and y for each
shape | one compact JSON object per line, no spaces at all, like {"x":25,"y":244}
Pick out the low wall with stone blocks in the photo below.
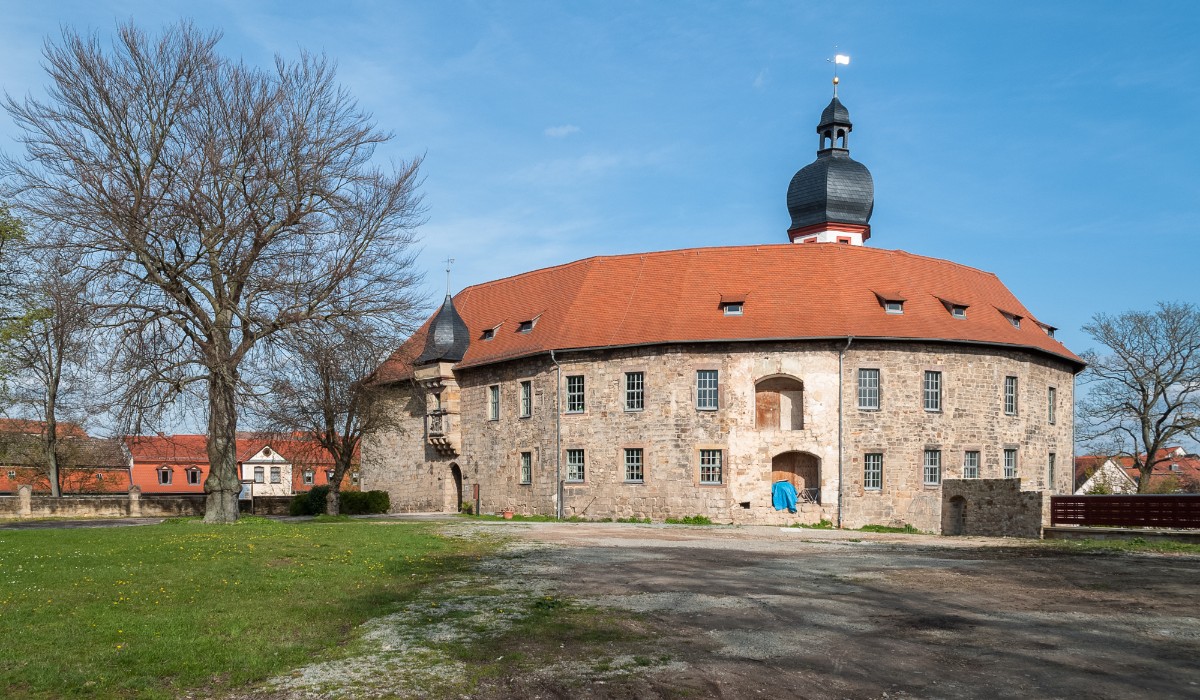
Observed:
{"x":129,"y":505}
{"x":993,"y":508}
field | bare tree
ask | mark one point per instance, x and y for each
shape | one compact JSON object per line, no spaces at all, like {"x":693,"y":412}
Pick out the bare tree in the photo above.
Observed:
{"x":213,"y":204}
{"x":1144,"y":394}
{"x":318,"y":388}
{"x":46,"y":353}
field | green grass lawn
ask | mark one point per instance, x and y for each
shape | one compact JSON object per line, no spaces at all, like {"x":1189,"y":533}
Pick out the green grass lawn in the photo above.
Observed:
{"x":151,"y":611}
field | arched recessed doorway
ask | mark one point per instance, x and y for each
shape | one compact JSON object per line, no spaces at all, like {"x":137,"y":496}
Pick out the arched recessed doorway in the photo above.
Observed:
{"x":779,"y":404}
{"x":803,"y":470}
{"x":454,"y":490}
{"x":954,"y":516}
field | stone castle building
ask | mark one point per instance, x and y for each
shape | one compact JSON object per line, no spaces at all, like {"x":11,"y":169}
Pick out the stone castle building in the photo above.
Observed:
{"x":689,"y":382}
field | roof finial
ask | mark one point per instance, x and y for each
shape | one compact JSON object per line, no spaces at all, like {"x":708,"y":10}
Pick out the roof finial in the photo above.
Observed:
{"x":449,"y":262}
{"x":837,"y":60}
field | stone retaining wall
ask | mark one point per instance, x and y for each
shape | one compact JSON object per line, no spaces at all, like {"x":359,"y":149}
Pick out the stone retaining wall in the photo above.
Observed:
{"x":129,"y":505}
{"x":993,"y":508}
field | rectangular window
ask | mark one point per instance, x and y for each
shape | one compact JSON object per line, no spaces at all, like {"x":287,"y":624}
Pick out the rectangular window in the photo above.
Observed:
{"x":575,"y":394}
{"x":635,"y":391}
{"x":494,"y":402}
{"x":1010,"y":464}
{"x":706,"y":389}
{"x":633,"y":464}
{"x":526,"y":399}
{"x":971,"y":464}
{"x":873,"y":471}
{"x":894,"y":307}
{"x":1050,"y":460}
{"x":258,"y":475}
{"x":1010,"y":396}
{"x":329,"y":475}
{"x":933,"y":467}
{"x":193,"y":476}
{"x":1051,"y":400}
{"x":12,"y":474}
{"x":933,"y":391}
{"x":732,"y":309}
{"x":526,"y":467}
{"x":309,"y":477}
{"x":276,"y":475}
{"x":575,"y":465}
{"x":164,"y":476}
{"x":710,"y":466}
{"x":868,"y":389}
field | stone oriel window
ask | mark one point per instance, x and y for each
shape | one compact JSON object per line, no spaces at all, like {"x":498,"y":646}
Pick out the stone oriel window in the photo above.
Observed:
{"x":634,"y":469}
{"x":635,"y":391}
{"x":707,"y":397}
{"x":1010,"y":463}
{"x":711,"y":467}
{"x":868,"y":389}
{"x":1010,"y":396}
{"x":494,"y":402}
{"x":873,"y":471}
{"x":575,"y":465}
{"x":971,"y":464}
{"x":526,"y":399}
{"x":932,"y":391}
{"x":933,"y":467}
{"x":575,"y":393}
{"x":526,"y":467}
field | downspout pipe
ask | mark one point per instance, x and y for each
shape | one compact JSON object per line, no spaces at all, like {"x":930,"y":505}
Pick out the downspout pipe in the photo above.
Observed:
{"x":558,"y":489}
{"x":841,"y":425}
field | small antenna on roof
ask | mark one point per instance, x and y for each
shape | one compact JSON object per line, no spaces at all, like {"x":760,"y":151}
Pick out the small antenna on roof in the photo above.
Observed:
{"x":449,"y":262}
{"x":839,"y":59}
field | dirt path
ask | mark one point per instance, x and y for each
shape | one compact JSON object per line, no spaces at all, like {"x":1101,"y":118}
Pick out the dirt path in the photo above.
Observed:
{"x":758,"y":612}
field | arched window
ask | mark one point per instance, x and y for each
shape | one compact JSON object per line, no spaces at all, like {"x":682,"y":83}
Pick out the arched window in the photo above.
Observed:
{"x":779,"y":404}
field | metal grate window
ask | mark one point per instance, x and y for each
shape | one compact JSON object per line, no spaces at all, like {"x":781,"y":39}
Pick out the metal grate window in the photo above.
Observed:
{"x":575,"y":394}
{"x":1010,"y":396}
{"x":575,"y":465}
{"x":706,"y":389}
{"x":1051,"y":400}
{"x":633,"y":464}
{"x":933,"y":391}
{"x":933,"y":467}
{"x":971,"y":464}
{"x":526,"y":399}
{"x":710,"y":466}
{"x":526,"y":467}
{"x":635,"y":391}
{"x":873,"y":471}
{"x":1010,"y":464}
{"x":494,"y":402}
{"x":868,"y":388}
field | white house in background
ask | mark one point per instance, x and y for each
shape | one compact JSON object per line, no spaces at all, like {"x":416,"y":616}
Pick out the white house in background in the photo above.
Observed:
{"x":1109,"y":477}
{"x":270,"y":472}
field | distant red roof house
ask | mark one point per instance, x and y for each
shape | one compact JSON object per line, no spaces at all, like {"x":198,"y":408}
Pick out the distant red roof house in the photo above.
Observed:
{"x":1180,"y":472}
{"x":87,"y":464}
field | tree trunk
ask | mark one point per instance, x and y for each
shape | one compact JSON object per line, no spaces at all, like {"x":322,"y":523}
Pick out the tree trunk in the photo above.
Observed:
{"x":50,"y":441}
{"x":333,"y":500}
{"x":223,"y":483}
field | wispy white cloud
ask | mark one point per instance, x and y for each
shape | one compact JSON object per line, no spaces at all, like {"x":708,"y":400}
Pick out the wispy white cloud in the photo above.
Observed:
{"x":558,"y":132}
{"x":559,"y":171}
{"x":760,"y":80}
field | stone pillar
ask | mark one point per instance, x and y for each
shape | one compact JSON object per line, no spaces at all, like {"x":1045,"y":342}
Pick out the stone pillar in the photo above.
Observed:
{"x":135,"y":502}
{"x":25,"y":501}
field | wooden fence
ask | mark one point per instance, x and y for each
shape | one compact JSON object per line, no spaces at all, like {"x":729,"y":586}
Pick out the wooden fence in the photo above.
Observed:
{"x":1176,"y":511}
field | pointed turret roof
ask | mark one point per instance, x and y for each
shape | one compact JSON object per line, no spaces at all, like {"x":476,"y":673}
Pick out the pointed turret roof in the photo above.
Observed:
{"x":448,"y":337}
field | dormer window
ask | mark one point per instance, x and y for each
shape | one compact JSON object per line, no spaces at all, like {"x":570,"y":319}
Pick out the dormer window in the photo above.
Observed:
{"x":892,"y":302}
{"x":1048,"y":329}
{"x":1012,"y":318}
{"x":957,"y":309}
{"x":526,"y":326}
{"x":732,"y":308}
{"x":489,"y":333}
{"x":893,"y":307}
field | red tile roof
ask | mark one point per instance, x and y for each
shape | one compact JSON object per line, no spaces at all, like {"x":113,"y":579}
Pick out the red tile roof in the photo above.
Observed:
{"x":36,"y":427}
{"x":791,"y":292}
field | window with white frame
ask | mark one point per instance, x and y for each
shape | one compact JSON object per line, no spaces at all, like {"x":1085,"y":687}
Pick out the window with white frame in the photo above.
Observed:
{"x":309,"y":477}
{"x":12,"y":474}
{"x":706,"y":390}
{"x":933,"y":467}
{"x":633,"y":465}
{"x":526,"y":467}
{"x":932,"y":389}
{"x":329,"y":475}
{"x":526,"y":399}
{"x":1051,"y":401}
{"x":873,"y":471}
{"x":893,"y":307}
{"x":276,"y":475}
{"x":1010,"y":463}
{"x":732,"y":308}
{"x":354,"y":478}
{"x":494,"y":402}
{"x":958,"y":311}
{"x":1050,"y":460}
{"x":259,"y":475}
{"x":710,"y":466}
{"x":971,"y":464}
{"x":575,"y":466}
{"x":868,"y":389}
{"x":1010,"y":396}
{"x":164,"y":475}
{"x":575,"y":394}
{"x":193,"y":476}
{"x":635,"y":391}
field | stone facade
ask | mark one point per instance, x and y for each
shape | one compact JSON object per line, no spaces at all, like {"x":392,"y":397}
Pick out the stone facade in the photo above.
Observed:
{"x":993,"y":508}
{"x":760,"y":434}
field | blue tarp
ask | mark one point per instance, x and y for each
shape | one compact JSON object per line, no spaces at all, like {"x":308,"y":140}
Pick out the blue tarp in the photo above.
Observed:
{"x":783,"y":495}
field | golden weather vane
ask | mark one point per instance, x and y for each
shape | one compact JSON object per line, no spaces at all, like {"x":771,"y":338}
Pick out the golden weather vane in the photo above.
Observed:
{"x":839,"y":59}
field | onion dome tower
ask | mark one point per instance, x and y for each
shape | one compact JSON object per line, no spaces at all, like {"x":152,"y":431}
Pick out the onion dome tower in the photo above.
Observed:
{"x":831,"y":199}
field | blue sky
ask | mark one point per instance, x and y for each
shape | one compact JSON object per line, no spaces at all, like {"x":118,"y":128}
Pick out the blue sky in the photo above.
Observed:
{"x":1054,"y":144}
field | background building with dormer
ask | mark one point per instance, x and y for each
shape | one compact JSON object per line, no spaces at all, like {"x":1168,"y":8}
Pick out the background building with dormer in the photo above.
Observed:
{"x":690,"y":382}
